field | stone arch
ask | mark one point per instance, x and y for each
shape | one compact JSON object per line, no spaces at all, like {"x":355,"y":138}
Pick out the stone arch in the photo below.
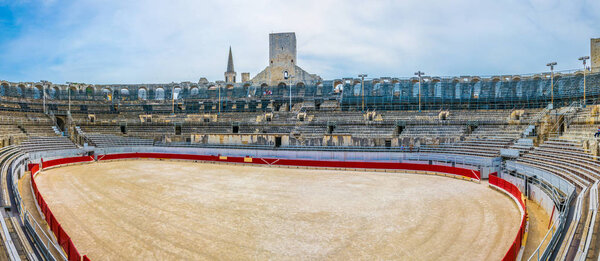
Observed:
{"x":300,"y":88}
{"x":264,"y":88}
{"x":319,"y":90}
{"x":73,"y":91}
{"x":518,"y":87}
{"x":106,"y":93}
{"x":338,"y":87}
{"x":396,"y":88}
{"x":474,"y":87}
{"x":436,"y":87}
{"x":37,"y":91}
{"x":159,"y":93}
{"x":20,"y":90}
{"x":495,"y":88}
{"x":248,"y":90}
{"x":142,"y":93}
{"x":89,"y":92}
{"x":54,"y":92}
{"x":4,"y":87}
{"x":357,"y":89}
{"x":414,"y":86}
{"x":177,"y":93}
{"x":455,"y":88}
{"x":194,"y":91}
{"x":376,"y":88}
{"x":281,"y":87}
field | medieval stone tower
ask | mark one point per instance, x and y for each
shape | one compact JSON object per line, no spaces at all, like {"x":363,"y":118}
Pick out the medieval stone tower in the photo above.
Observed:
{"x":230,"y":73}
{"x":283,"y":61}
{"x":595,"y":54}
{"x":282,"y":52}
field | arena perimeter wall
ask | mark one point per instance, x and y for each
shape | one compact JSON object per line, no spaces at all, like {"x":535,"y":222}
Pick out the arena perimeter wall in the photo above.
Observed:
{"x":512,"y":190}
{"x":63,"y":239}
{"x":468,"y":173}
{"x":73,"y":254}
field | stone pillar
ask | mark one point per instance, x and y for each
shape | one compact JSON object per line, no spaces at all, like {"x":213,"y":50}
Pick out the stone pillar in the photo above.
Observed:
{"x":595,"y":54}
{"x":245,"y":77}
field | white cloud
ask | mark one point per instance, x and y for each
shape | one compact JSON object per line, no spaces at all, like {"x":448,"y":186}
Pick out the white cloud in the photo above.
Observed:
{"x":163,"y":41}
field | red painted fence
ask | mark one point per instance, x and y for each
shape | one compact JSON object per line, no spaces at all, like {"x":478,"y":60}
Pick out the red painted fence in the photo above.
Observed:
{"x":62,"y":237}
{"x":511,"y":189}
{"x":304,"y":163}
{"x":67,"y":244}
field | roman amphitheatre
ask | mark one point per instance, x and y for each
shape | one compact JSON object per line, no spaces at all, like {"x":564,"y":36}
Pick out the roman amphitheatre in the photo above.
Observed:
{"x":287,"y":165}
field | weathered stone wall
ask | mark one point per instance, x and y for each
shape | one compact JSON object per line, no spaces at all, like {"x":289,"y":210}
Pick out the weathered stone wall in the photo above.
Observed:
{"x":595,"y":54}
{"x":282,"y":49}
{"x":273,"y":76}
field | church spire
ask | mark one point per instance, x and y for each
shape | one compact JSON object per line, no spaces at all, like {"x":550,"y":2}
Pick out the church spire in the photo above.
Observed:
{"x":230,"y":62}
{"x":230,"y":73}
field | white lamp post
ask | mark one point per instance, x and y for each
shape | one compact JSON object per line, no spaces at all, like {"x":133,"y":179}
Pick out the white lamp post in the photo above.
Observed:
{"x":583,"y":59}
{"x":420,"y":74}
{"x":362,"y":86}
{"x":551,"y":65}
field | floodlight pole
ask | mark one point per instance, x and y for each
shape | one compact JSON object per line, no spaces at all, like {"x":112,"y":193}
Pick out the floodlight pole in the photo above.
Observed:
{"x":291,"y":92}
{"x":551,"y":65}
{"x":69,"y":92}
{"x":288,"y":77}
{"x":219,"y":99}
{"x":362,"y":86}
{"x":44,"y":97}
{"x":420,"y":74}
{"x":342,"y":98}
{"x":583,"y":59}
{"x":173,"y":100}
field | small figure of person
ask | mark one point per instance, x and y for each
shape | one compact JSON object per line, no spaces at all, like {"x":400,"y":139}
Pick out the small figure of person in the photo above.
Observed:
{"x":597,"y":134}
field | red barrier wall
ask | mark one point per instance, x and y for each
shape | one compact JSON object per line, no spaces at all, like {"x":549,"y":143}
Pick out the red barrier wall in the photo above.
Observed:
{"x":56,"y":162}
{"x":511,"y":189}
{"x":305,"y":163}
{"x":62,"y":237}
{"x":34,"y":168}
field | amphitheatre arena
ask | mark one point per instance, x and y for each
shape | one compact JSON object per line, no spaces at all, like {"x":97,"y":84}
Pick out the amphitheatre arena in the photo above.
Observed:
{"x":286,"y":165}
{"x":185,"y":210}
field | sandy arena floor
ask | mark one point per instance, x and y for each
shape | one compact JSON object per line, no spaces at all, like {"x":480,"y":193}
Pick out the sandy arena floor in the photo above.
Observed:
{"x":156,"y":210}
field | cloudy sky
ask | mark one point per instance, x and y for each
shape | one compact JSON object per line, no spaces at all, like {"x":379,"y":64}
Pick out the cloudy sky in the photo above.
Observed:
{"x":117,"y":41}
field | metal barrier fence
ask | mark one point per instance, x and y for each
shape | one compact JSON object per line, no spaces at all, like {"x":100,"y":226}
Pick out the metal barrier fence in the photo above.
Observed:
{"x":559,"y":183}
{"x":547,"y":202}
